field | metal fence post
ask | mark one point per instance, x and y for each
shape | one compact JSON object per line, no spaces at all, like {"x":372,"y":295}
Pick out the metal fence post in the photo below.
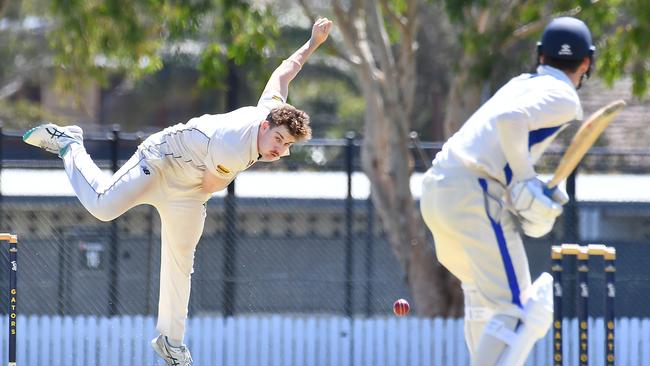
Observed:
{"x":370,"y":244}
{"x":571,"y":222}
{"x":349,"y":219}
{"x":63,"y":273}
{"x":113,"y":252}
{"x":230,"y":209}
{"x":229,"y":251}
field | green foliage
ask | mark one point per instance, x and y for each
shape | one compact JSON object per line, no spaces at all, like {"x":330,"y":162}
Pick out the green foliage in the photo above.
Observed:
{"x":398,"y":7}
{"x":213,"y":66}
{"x":94,"y":38}
{"x":626,"y":49}
{"x":621,"y":30}
{"x":247,"y":31}
{"x":244,"y":33}
{"x":484,"y":31}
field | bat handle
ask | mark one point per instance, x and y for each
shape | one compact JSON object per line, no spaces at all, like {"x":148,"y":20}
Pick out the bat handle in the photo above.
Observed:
{"x":548,"y":190}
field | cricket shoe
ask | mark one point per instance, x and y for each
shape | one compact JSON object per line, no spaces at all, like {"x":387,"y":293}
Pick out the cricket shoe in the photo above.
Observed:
{"x":53,"y":138}
{"x":173,"y":356}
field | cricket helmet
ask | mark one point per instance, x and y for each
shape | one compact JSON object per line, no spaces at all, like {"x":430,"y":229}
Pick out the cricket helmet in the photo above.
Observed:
{"x":566,"y":38}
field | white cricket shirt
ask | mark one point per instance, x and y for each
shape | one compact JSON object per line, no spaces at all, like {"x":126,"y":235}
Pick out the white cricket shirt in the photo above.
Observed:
{"x":225,"y":144}
{"x":536,"y":107}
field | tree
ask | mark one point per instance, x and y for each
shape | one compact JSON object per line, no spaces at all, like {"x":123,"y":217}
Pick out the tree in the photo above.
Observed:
{"x":498,"y":39}
{"x":492,"y":40}
{"x":380,"y":45}
{"x":625,"y":47}
{"x":94,"y":38}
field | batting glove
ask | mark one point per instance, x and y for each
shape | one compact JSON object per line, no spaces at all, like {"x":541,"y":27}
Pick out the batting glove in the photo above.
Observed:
{"x":536,"y":211}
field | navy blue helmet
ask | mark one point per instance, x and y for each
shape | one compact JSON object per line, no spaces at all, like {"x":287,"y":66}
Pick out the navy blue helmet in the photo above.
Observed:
{"x":566,"y":38}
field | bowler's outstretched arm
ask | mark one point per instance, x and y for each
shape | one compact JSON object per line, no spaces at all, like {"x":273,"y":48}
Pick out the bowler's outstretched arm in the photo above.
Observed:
{"x":289,"y":68}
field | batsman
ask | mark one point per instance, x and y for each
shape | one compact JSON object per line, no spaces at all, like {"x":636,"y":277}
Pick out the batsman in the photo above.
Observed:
{"x":177,"y":170}
{"x":482,"y":191}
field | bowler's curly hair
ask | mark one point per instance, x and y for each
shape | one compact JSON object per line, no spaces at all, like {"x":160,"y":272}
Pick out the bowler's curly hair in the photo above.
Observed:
{"x":297,"y":121}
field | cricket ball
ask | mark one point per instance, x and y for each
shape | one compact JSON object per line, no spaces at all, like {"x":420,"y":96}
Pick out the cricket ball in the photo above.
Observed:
{"x":401,"y":307}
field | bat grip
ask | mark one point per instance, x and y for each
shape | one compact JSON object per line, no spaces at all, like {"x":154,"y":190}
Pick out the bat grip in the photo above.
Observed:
{"x":548,"y":190}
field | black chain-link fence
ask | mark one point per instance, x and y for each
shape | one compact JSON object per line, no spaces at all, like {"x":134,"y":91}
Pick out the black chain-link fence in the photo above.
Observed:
{"x":324,"y":252}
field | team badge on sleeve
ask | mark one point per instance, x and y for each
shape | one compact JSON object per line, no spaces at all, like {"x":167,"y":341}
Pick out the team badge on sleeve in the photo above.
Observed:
{"x":222,"y":169}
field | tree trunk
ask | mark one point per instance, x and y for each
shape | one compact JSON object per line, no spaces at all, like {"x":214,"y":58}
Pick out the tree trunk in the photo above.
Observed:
{"x":464,"y":99}
{"x":388,"y":163}
{"x":387,"y":76}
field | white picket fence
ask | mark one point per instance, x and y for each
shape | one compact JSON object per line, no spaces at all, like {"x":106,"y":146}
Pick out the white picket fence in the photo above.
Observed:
{"x":275,"y":340}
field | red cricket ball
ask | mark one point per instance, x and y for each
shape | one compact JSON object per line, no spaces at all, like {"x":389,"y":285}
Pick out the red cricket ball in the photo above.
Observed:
{"x":401,"y":307}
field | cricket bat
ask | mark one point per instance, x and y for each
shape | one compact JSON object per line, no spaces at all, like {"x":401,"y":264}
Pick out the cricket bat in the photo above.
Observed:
{"x":583,"y":140}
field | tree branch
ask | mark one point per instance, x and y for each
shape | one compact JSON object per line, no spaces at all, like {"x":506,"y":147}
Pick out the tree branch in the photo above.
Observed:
{"x":377,"y":32}
{"x":406,"y":63}
{"x":355,"y":42}
{"x":395,"y":18}
{"x":411,"y":16}
{"x":527,"y":29}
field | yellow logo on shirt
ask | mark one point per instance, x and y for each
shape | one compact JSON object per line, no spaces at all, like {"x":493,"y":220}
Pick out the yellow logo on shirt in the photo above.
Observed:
{"x":277,"y":98}
{"x":222,"y":169}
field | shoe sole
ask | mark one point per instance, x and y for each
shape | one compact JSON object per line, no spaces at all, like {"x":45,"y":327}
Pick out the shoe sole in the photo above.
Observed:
{"x":61,"y":151}
{"x":158,"y":351}
{"x":28,"y":133}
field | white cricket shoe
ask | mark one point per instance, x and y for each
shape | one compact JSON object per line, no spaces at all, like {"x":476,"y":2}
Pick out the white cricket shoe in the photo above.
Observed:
{"x":53,"y":138}
{"x":173,"y":356}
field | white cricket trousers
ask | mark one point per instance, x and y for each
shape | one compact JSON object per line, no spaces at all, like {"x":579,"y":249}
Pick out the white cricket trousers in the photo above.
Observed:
{"x":477,"y":239}
{"x":173,"y":188}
